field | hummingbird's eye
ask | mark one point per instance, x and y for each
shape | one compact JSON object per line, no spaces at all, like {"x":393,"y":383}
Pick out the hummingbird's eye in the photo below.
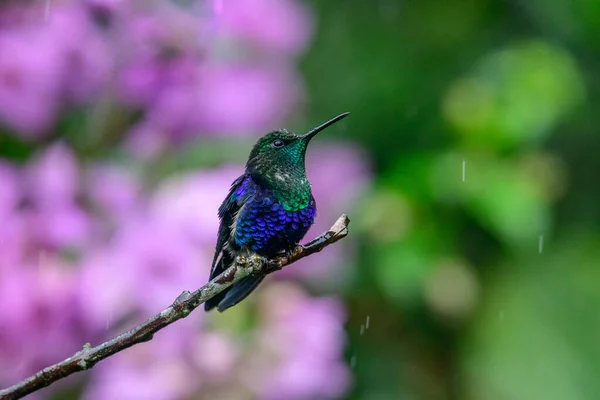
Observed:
{"x":277,"y":143}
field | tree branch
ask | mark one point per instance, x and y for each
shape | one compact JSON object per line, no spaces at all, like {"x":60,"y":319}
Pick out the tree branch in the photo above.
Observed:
{"x":181,"y":308}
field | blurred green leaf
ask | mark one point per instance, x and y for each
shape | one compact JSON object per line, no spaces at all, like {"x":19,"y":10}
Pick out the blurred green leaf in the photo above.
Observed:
{"x":537,"y":334}
{"x":515,"y":96}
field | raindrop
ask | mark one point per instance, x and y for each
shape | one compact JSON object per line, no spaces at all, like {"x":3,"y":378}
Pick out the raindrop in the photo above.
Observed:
{"x":367,"y":324}
{"x":362,"y":330}
{"x":541,"y":244}
{"x":109,"y":320}
{"x":352,"y":362}
{"x":464,"y":168}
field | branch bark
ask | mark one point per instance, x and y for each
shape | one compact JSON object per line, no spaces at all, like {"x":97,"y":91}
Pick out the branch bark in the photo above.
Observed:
{"x":89,"y":356}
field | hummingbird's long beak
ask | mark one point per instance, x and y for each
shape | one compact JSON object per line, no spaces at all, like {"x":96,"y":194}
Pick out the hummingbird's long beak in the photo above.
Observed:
{"x":319,"y":128}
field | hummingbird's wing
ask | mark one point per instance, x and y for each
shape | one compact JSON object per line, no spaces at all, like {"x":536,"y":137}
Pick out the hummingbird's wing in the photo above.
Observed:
{"x":238,"y":195}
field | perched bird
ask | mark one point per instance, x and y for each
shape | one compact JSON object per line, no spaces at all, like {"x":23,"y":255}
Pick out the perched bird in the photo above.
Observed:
{"x":268,"y":209}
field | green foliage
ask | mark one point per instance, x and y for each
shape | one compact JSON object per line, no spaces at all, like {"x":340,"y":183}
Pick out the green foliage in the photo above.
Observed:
{"x":479,"y":284}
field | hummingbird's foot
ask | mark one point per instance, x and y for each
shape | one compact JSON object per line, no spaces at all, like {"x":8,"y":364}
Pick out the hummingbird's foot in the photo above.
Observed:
{"x":264,"y":261}
{"x":253,"y":260}
{"x":293,"y":252}
{"x":285,"y":253}
{"x":289,"y":253}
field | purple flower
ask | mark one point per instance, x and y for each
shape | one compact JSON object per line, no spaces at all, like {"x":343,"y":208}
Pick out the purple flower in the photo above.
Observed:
{"x":339,"y":172}
{"x":155,"y":371}
{"x":10,"y":191}
{"x":52,"y":213}
{"x":188,"y":89}
{"x":87,"y":250}
{"x":66,"y":227}
{"x":305,"y":338}
{"x":141,"y":270}
{"x":29,"y":82}
{"x":141,"y":81}
{"x":161,"y":246}
{"x":45,"y":62}
{"x":51,"y":178}
{"x":189,"y":203}
{"x":245,"y":99}
{"x":12,"y":233}
{"x":160,"y":47}
{"x":40,"y":321}
{"x":165,"y":380}
{"x":146,"y":142}
{"x":116,"y":191}
{"x":107,"y":6}
{"x":14,"y":13}
{"x":159,"y":259}
{"x":163,"y":62}
{"x":13,"y":243}
{"x":276,"y":25}
{"x":238,"y":100}
{"x":173,"y":109}
{"x":106,"y":289}
{"x":83,"y":51}
{"x":216,"y":355}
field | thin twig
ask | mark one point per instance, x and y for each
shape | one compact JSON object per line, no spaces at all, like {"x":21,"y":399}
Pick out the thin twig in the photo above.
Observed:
{"x":89,"y":356}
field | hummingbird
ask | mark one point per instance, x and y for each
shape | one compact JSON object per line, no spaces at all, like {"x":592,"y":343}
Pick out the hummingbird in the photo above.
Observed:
{"x":268,"y":209}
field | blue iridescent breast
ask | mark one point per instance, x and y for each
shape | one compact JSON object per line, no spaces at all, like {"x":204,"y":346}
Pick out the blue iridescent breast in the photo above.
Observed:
{"x":267,"y":226}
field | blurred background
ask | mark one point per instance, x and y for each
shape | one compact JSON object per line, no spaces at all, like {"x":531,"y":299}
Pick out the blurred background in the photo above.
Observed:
{"x":468,"y":168}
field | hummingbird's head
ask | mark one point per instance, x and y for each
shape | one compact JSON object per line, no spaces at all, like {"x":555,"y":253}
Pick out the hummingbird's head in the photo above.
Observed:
{"x":280,"y":154}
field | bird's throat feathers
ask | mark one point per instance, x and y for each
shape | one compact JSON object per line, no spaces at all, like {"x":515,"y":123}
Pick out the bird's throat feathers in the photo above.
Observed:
{"x":281,"y":169}
{"x":289,"y":186}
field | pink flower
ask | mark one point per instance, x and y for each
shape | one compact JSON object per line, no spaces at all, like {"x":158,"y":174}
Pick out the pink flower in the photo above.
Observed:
{"x":41,"y":319}
{"x":13,"y":243}
{"x":276,"y":25}
{"x":116,"y":191}
{"x":43,"y":63}
{"x":66,"y":227}
{"x":339,"y":172}
{"x":51,"y":185}
{"x":216,"y":356}
{"x":141,"y":270}
{"x":82,"y":50}
{"x":88,"y":251}
{"x":245,"y":99}
{"x":160,"y":47}
{"x":156,"y":370}
{"x":12,"y":237}
{"x":189,"y":203}
{"x":237,"y":100}
{"x":106,"y":289}
{"x":10,"y":191}
{"x":305,"y":338}
{"x":29,"y":82}
{"x":146,"y":142}
{"x":160,"y":247}
{"x":158,"y":260}
{"x":51,"y":179}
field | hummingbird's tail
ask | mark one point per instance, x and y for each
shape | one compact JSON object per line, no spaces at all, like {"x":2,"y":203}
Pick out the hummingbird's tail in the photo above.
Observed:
{"x":239,"y":291}
{"x":233,"y":294}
